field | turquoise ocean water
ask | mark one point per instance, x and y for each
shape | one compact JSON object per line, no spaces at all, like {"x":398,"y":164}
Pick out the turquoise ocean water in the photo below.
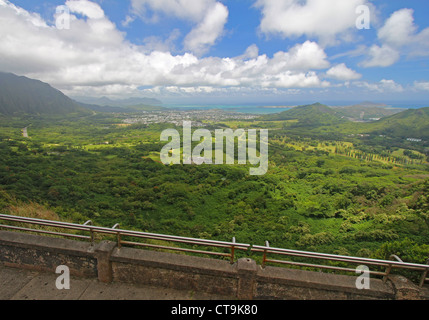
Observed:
{"x":268,"y":109}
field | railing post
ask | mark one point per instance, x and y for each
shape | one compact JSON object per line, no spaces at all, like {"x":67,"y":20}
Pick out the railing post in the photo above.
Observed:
{"x":118,"y":235}
{"x":103,"y":253}
{"x":264,"y":259}
{"x":247,"y":271}
{"x":232,"y":251}
{"x":424,"y":275}
{"x":394,"y":256}
{"x":389,"y":268}
{"x":91,"y":233}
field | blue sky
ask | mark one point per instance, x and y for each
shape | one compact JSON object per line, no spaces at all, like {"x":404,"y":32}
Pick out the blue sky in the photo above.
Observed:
{"x":222,"y":52}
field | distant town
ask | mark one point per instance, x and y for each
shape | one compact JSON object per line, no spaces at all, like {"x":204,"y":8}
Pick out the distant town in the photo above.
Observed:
{"x":177,"y":117}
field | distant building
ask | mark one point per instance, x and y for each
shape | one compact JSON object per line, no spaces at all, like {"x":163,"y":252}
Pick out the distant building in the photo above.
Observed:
{"x":414,"y":140}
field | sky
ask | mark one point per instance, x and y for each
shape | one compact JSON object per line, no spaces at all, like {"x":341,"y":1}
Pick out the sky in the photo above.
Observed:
{"x":269,"y":52}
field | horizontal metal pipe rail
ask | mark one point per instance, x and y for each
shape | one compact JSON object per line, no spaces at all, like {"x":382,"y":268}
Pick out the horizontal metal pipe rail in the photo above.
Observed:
{"x":388,"y":264}
{"x":232,"y":246}
{"x":120,"y":234}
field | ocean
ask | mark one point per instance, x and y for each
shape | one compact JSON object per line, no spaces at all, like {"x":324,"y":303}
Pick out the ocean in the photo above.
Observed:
{"x":270,"y":109}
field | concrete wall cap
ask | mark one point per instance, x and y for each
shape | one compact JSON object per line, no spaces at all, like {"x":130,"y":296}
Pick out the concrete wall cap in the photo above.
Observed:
{"x":247,"y":265}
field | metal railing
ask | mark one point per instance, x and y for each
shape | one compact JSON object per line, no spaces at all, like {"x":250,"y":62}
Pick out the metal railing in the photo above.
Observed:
{"x":121,"y":234}
{"x":388,"y":264}
{"x":232,"y":246}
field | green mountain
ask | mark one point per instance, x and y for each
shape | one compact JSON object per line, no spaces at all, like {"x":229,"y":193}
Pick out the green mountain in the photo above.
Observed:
{"x":366,"y":111}
{"x":120,"y":103}
{"x":129,"y":109}
{"x":412,"y":123}
{"x":309,"y":115}
{"x":20,"y":95}
{"x":129,"y":105}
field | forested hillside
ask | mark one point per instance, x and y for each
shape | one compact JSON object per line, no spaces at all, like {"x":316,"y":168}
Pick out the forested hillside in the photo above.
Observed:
{"x":309,"y":115}
{"x":312,"y":198}
{"x":21,"y":95}
{"x":332,"y":186}
{"x":412,"y":123}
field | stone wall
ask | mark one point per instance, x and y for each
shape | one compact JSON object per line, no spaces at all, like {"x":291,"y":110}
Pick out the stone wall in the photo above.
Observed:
{"x":46,"y":253}
{"x":242,"y":280}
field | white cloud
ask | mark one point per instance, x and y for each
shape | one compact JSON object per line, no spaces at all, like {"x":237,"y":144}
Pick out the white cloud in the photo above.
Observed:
{"x":205,"y":34}
{"x":251,"y":52}
{"x":94,"y":57}
{"x":391,"y":85}
{"x":341,"y":72}
{"x":324,"y":19}
{"x":421,"y":85}
{"x":207,"y":16}
{"x":154,"y":43}
{"x":289,"y":79}
{"x":384,"y":86}
{"x":421,"y":44}
{"x":128,"y":20}
{"x":399,"y":29}
{"x":32,"y":18}
{"x":226,"y":95}
{"x":285,"y":69}
{"x":383,"y":56}
{"x":183,"y":9}
{"x":87,"y":8}
{"x":399,"y":35}
{"x":308,"y":55}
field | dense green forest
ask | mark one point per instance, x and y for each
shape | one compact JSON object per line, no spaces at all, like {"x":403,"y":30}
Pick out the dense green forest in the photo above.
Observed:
{"x":326,"y":190}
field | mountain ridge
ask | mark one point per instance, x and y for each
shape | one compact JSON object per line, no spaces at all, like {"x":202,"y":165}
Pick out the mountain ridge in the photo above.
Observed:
{"x":308,"y":115}
{"x":411,"y":123}
{"x":119,"y":103}
{"x":22,"y":95}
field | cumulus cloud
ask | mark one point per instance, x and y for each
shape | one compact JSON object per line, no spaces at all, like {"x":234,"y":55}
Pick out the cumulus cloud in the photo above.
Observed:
{"x":205,"y":34}
{"x":383,"y":56}
{"x":208,"y":17}
{"x":384,"y":86}
{"x":128,"y":20}
{"x":398,"y":35}
{"x":93,"y":56}
{"x":308,"y":55}
{"x":342,"y":72}
{"x":87,"y":8}
{"x":391,"y":85}
{"x":154,"y":43}
{"x":33,"y":18}
{"x":421,"y":85}
{"x":399,"y":29}
{"x":183,"y":9}
{"x":284,"y":69}
{"x":324,"y":19}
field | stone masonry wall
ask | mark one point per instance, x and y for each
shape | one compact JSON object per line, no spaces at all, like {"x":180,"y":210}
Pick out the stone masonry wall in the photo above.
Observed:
{"x":242,"y":280}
